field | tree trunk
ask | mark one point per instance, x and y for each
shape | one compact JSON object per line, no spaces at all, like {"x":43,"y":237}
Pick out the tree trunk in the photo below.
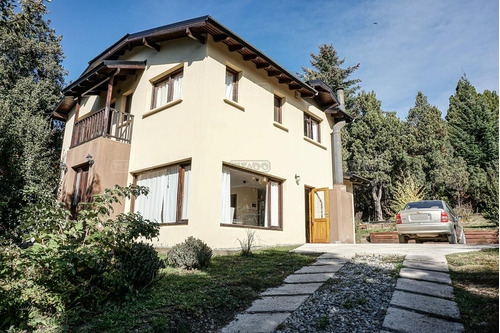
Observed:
{"x":377,"y":197}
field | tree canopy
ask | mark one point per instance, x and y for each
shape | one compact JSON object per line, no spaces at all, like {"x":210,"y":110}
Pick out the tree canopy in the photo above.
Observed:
{"x":31,"y":76}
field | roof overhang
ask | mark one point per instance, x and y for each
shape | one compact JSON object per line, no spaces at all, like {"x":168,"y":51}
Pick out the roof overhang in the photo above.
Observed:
{"x":328,"y":101}
{"x":197,"y":29}
{"x":355,"y":179}
{"x":94,"y":82}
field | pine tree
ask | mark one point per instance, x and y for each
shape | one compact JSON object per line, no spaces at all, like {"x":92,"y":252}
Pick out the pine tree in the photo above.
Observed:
{"x":31,"y":77}
{"x":327,"y":67}
{"x":375,"y":150}
{"x":473,"y":129}
{"x":430,"y":156}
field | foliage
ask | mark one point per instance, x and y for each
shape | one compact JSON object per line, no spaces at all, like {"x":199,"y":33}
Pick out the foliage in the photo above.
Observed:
{"x":375,"y":149}
{"x":139,"y":262}
{"x":405,"y":191}
{"x":475,"y":282}
{"x":327,"y":67}
{"x":68,"y":265}
{"x":431,"y":158}
{"x":197,"y":301}
{"x":31,"y":76}
{"x":193,"y":253}
{"x":473,"y":127}
{"x":247,"y":243}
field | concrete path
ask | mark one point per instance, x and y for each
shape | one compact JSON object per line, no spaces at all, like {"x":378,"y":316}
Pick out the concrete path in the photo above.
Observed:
{"x":423,"y":300}
{"x":276,"y":304}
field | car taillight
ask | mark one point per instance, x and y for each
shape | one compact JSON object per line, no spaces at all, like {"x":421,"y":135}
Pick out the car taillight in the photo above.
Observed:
{"x":444,"y":217}
{"x":398,"y":219}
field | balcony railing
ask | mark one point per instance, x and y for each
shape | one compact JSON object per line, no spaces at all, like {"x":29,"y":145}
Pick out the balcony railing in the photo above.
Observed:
{"x":113,"y":124}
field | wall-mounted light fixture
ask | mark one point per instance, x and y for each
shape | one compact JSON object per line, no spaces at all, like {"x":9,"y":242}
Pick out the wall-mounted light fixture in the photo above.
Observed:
{"x":90,"y":160}
{"x":297,"y":179}
{"x":64,"y":167}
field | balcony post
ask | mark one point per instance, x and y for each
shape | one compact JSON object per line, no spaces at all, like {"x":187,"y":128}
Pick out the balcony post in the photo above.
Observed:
{"x":107,"y":108}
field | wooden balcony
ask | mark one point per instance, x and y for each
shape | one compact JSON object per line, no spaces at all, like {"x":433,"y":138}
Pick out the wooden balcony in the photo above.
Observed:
{"x":112,"y":124}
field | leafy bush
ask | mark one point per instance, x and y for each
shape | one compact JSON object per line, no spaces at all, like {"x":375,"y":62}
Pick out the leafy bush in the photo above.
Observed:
{"x":406,"y":191}
{"x":140,"y":263}
{"x":69,"y":265}
{"x":193,"y":253}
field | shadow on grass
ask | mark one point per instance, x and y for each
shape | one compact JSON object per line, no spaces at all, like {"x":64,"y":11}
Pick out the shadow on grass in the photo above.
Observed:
{"x":197,"y":301}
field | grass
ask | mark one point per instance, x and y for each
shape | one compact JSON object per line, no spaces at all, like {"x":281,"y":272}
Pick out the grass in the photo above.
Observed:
{"x":475,"y":282}
{"x":191,"y":301}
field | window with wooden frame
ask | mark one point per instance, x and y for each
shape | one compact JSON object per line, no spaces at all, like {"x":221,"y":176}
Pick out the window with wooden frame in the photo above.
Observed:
{"x":250,"y":200}
{"x":81,"y":189}
{"x":167,"y":89}
{"x":168,"y":198}
{"x":278,"y":109}
{"x":232,"y":78}
{"x":312,"y":128}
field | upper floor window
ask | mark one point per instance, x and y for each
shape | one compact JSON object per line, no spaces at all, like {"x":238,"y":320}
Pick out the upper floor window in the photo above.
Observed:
{"x":167,"y":89}
{"x":278,"y":108}
{"x":311,"y":128}
{"x":232,"y":84}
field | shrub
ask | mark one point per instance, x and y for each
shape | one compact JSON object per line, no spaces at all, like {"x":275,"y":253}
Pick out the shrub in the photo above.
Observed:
{"x":140,"y":264}
{"x":193,"y":253}
{"x":68,"y":265}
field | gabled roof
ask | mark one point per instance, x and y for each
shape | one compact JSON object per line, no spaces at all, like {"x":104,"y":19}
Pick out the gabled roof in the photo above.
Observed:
{"x":197,"y":29}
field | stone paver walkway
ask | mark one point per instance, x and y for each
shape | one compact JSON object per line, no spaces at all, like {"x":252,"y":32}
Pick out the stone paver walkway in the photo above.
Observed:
{"x":423,"y":300}
{"x":276,"y":304}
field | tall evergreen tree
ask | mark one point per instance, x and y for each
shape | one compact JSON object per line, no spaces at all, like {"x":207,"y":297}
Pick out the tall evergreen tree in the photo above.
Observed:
{"x":327,"y":67}
{"x":31,"y":77}
{"x":473,"y":128}
{"x":375,"y":149}
{"x":430,"y":156}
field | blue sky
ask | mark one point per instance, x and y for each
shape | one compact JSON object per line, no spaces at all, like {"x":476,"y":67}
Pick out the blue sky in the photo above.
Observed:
{"x":415,"y":45}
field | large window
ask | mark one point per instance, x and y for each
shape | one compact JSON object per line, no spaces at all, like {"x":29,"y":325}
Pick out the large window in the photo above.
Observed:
{"x":231,"y":84}
{"x":311,"y":128}
{"x":168,"y":198}
{"x":167,"y":89}
{"x":250,"y":199}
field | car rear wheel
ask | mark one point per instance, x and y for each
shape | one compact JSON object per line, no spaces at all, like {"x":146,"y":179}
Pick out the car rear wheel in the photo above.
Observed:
{"x":403,"y":239}
{"x":452,"y":239}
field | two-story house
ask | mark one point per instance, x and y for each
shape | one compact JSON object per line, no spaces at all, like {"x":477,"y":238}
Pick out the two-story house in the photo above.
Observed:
{"x":224,"y":137}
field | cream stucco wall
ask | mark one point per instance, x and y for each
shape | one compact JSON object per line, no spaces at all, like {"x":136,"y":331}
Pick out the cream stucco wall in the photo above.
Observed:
{"x":209,"y":132}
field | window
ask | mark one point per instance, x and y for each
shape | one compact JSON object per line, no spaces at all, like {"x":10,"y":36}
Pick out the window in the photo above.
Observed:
{"x":167,"y":89}
{"x":231,"y":84}
{"x":278,"y":105}
{"x":250,"y":199}
{"x":168,"y":198}
{"x":311,"y":128}
{"x":81,"y":189}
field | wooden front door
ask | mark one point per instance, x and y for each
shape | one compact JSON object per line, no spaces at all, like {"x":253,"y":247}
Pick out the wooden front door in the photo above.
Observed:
{"x":320,"y":217}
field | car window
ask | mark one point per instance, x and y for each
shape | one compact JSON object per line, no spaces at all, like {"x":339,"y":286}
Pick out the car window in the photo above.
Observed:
{"x":424,"y":204}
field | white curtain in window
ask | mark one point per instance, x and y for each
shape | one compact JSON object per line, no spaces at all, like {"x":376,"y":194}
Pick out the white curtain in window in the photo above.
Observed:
{"x":150,"y":206}
{"x":314,"y":127}
{"x":274,"y":204}
{"x":266,"y":210}
{"x":185,"y":191}
{"x":229,"y":85}
{"x":170,"y":185}
{"x":177,"y":87}
{"x":226,"y":196}
{"x":161,"y":94}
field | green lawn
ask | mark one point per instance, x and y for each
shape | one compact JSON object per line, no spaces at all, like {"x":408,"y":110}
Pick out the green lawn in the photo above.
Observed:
{"x":197,"y":301}
{"x":475,"y":282}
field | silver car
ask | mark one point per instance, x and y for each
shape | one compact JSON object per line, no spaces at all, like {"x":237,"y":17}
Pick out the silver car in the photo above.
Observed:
{"x":429,"y":220}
